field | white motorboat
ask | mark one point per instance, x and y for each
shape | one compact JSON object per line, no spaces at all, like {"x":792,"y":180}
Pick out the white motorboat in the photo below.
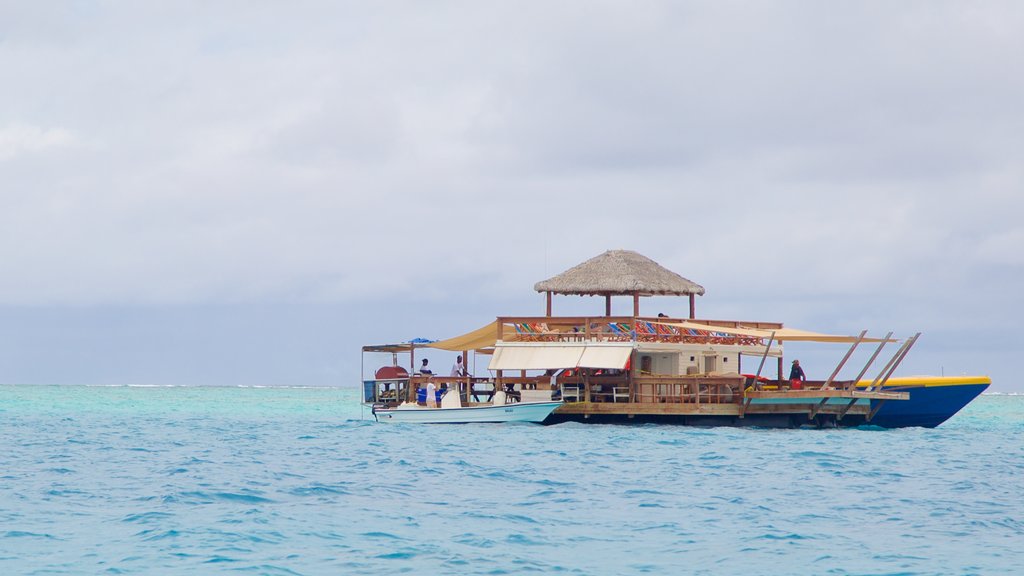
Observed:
{"x":451,"y":411}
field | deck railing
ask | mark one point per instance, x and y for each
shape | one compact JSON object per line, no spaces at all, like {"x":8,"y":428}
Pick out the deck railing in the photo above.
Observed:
{"x":624,"y":329}
{"x":695,"y":389}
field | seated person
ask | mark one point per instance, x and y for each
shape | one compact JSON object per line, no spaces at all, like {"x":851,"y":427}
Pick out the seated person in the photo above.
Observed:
{"x":425,"y":370}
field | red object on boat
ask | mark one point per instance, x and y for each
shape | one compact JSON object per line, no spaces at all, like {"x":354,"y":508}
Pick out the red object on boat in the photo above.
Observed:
{"x":391,"y":373}
{"x":796,"y":384}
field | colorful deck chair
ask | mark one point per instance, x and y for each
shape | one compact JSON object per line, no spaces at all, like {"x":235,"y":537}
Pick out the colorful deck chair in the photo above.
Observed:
{"x":622,"y":330}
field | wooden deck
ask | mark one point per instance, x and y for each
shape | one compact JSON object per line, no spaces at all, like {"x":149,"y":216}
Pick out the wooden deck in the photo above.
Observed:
{"x":810,"y":402}
{"x":699,"y":382}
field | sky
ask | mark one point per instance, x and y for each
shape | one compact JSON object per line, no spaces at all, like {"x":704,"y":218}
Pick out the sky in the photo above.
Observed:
{"x":244,"y":193}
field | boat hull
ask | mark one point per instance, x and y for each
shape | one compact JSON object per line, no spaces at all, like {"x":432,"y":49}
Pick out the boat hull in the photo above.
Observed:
{"x":535,"y":412}
{"x":933,"y":400}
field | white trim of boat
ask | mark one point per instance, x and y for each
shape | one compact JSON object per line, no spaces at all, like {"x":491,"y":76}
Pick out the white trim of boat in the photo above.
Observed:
{"x":452,"y":412}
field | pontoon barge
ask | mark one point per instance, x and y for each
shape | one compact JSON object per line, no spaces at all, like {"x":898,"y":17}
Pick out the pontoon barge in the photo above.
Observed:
{"x":674,"y":370}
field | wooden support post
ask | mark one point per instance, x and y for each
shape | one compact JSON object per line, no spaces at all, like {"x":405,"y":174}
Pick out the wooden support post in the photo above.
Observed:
{"x":816,"y":409}
{"x":549,"y":305}
{"x":631,"y":374}
{"x":843,"y":361}
{"x":871,"y":360}
{"x":874,"y":410}
{"x":411,"y":395}
{"x":693,"y":308}
{"x":636,"y":304}
{"x":468,"y":383}
{"x":903,"y":354}
{"x":890,"y":367}
{"x":498,"y":373}
{"x":846,"y":409}
{"x":607,"y":304}
{"x":764,"y":357}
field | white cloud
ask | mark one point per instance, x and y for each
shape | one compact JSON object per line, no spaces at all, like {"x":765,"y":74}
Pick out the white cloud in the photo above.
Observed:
{"x":1003,"y":248}
{"x":277,"y":153}
{"x":842,"y":166}
{"x":19,"y":139}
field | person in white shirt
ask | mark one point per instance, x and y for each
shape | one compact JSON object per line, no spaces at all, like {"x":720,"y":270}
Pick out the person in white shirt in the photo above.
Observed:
{"x":431,"y":396}
{"x":458,"y":369}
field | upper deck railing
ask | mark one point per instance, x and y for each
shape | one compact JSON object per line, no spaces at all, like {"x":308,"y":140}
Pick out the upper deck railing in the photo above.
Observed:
{"x":625,"y":329}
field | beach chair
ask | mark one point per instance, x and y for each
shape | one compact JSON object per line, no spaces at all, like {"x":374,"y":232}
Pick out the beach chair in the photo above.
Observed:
{"x":667,"y":331}
{"x":646,"y":331}
{"x":621,"y":331}
{"x":620,"y":393}
{"x":531,"y":332}
{"x":571,"y":392}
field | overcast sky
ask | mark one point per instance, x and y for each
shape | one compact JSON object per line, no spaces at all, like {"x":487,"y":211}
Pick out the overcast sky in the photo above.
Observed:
{"x":246,"y":192}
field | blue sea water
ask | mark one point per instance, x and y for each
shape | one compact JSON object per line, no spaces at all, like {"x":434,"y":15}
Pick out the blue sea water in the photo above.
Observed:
{"x":132,"y":480}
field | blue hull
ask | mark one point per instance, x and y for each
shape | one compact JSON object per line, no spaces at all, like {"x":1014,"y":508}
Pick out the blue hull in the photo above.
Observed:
{"x":932,"y":402}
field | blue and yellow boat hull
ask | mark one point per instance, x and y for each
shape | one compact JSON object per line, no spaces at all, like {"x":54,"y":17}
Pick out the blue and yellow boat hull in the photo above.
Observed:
{"x":933,"y":400}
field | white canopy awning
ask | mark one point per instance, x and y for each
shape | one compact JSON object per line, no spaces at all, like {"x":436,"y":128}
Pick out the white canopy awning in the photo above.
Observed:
{"x":532,"y":356}
{"x":535,"y":357}
{"x":781,"y":334}
{"x":605,"y":357}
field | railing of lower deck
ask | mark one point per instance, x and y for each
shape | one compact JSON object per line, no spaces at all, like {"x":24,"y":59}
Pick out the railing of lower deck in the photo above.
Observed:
{"x":696,"y":389}
{"x":642,"y":389}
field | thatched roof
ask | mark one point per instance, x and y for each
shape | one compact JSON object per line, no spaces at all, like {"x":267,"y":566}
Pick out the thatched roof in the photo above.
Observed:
{"x":619,"y":272}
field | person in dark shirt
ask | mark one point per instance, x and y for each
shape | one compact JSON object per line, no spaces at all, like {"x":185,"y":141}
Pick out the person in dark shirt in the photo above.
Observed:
{"x":426,"y":371}
{"x":796,"y":372}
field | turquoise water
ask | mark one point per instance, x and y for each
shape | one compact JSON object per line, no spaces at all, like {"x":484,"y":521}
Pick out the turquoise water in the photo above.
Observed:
{"x":125,"y":480}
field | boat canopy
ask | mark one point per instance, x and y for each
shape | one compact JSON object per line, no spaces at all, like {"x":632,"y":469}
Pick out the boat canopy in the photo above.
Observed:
{"x":781,"y":334}
{"x":393,"y":348}
{"x":530,"y":356}
{"x":484,"y":337}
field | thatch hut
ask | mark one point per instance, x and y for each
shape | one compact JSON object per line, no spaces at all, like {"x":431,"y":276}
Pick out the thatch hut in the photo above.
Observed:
{"x":620,"y":273}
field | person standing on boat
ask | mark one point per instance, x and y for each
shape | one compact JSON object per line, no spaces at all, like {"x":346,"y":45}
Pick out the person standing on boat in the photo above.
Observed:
{"x":458,"y":369}
{"x":431,"y":394}
{"x":796,"y":375}
{"x":429,"y":399}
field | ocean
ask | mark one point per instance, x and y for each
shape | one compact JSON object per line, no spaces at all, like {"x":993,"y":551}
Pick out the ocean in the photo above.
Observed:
{"x":188,"y":480}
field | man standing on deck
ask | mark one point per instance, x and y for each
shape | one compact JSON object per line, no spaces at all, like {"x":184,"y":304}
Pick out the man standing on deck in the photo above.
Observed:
{"x":796,"y":374}
{"x":431,"y":396}
{"x":458,"y":370}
